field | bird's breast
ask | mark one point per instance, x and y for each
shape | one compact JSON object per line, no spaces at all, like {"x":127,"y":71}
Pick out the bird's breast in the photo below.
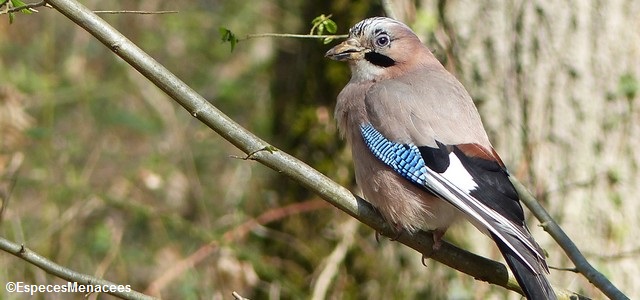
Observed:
{"x":350,"y":108}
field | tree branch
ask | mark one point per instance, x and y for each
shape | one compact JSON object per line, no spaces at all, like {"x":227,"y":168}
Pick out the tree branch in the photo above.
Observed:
{"x":62,"y":272}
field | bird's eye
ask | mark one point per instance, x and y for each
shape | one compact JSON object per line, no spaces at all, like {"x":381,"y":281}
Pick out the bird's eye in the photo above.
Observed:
{"x":382,"y":40}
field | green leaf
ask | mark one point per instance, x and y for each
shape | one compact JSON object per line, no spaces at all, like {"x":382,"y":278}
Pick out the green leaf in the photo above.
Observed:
{"x":317,"y":20}
{"x":331,"y":26}
{"x":322,"y":23}
{"x":19,"y":3}
{"x":227,"y":36}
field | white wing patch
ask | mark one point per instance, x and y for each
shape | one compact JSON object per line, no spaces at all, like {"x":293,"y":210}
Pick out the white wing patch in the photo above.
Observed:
{"x":457,"y":173}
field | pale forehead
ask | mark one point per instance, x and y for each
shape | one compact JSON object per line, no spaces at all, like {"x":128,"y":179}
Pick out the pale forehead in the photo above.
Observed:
{"x":367,"y":26}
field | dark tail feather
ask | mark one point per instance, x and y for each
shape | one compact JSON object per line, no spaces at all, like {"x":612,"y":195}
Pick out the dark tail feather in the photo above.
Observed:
{"x":535,"y":286}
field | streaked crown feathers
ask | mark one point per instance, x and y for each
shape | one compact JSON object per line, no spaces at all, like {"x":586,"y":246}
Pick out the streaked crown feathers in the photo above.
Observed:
{"x":373,"y":25}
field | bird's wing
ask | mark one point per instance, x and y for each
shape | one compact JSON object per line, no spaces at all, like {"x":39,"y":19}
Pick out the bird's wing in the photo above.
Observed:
{"x":477,"y":188}
{"x":428,"y":130}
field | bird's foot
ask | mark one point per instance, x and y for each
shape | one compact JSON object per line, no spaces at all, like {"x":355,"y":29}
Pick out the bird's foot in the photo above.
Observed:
{"x":437,"y":239}
{"x":437,"y":243}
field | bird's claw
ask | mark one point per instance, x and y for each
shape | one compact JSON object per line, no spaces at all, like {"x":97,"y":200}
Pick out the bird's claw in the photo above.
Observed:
{"x":437,"y":244}
{"x":424,"y":259}
{"x":394,"y":238}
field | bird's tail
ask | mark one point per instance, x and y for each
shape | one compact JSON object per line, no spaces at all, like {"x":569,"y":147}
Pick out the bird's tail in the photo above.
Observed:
{"x":534,"y":284}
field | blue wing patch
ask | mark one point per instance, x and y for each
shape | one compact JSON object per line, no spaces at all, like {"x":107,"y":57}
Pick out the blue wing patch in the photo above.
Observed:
{"x":402,"y":158}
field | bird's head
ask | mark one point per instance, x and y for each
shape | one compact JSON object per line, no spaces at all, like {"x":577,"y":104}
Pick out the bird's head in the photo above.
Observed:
{"x":379,"y":46}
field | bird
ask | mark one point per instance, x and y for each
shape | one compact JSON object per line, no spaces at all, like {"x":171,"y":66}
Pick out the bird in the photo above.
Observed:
{"x":421,"y":154}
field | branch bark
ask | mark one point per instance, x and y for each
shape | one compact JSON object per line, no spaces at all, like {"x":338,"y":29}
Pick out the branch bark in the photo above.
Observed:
{"x":64,"y":273}
{"x":473,"y":265}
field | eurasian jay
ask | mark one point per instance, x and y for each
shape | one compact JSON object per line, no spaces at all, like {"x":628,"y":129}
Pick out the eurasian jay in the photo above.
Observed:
{"x":421,"y":154}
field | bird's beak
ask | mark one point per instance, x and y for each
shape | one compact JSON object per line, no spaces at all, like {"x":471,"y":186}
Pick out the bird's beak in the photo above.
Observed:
{"x":347,"y":50}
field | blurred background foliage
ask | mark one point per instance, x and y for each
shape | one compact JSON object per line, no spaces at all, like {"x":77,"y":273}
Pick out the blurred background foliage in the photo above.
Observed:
{"x":102,"y":173}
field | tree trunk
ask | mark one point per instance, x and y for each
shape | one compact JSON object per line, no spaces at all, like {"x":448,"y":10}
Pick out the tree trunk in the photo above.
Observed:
{"x":556,"y":84}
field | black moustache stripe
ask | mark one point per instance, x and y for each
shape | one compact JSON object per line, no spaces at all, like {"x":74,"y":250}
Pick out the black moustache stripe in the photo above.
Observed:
{"x":379,"y":59}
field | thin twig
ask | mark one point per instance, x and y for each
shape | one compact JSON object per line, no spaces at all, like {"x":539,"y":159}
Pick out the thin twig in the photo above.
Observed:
{"x":250,"y":155}
{"x":629,"y":254}
{"x":31,"y":7}
{"x":272,"y":215}
{"x":180,"y":267}
{"x":11,"y":175}
{"x":289,"y":35}
{"x":573,"y":270}
{"x":137,"y":12}
{"x":238,"y":296}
